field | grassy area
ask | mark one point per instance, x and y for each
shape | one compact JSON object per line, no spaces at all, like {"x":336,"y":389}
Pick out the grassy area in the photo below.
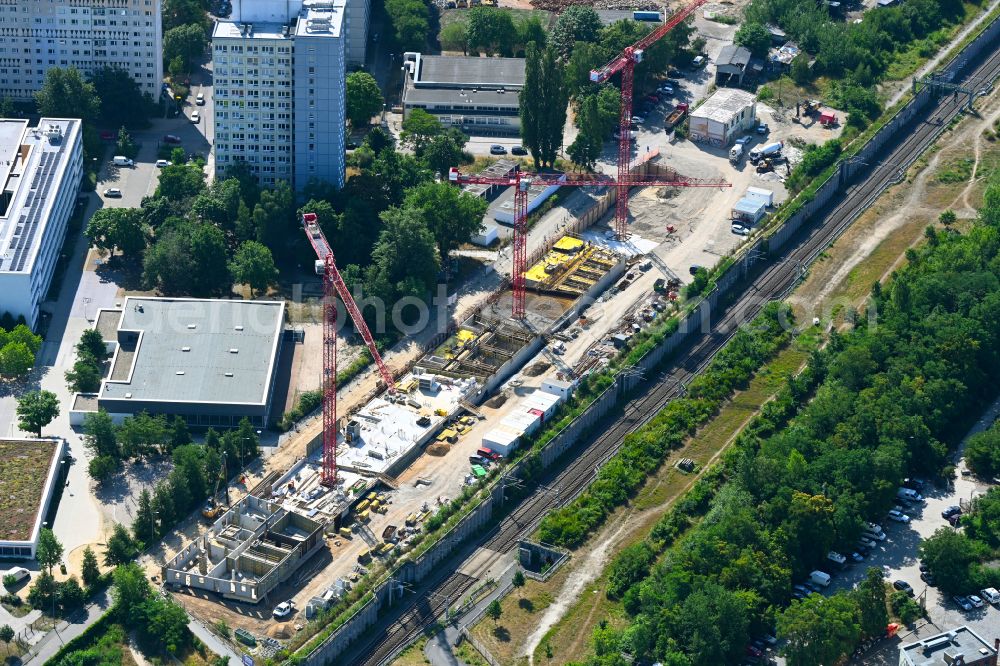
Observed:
{"x":570,"y":639}
{"x":413,"y":655}
{"x":23,"y":470}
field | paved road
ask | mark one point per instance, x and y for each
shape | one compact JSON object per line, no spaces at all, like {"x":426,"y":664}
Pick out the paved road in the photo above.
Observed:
{"x":69,"y":629}
{"x":214,"y":644}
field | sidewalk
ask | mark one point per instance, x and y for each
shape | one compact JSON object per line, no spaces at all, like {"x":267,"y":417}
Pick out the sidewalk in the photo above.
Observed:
{"x":438,"y":649}
{"x":213,"y":642}
{"x":67,"y":630}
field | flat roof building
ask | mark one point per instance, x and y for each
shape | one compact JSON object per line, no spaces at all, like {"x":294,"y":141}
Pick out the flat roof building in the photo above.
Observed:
{"x":85,"y":34}
{"x":29,"y":474}
{"x":477,"y":95}
{"x":212,"y":362}
{"x":723,"y":117}
{"x":40,"y":172}
{"x":958,"y":647}
{"x":279,"y":77}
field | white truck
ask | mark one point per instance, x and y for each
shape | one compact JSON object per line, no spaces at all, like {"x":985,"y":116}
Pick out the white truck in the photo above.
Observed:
{"x":736,"y":153}
{"x":770,"y":150}
{"x":121,"y":160}
{"x":820,"y":578}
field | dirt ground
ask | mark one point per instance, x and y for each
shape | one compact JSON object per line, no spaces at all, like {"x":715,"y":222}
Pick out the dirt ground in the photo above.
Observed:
{"x":874,"y":245}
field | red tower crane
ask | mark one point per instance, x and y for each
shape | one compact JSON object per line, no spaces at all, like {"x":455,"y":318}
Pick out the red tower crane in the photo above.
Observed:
{"x":522,"y":182}
{"x":625,"y":63}
{"x":333,"y":284}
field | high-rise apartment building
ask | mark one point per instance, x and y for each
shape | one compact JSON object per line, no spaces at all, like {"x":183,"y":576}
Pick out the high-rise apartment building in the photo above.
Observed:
{"x":279,"y":73}
{"x":87,"y":34}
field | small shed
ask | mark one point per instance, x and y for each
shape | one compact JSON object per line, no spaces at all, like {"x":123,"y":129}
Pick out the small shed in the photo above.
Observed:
{"x":748,"y":210}
{"x":487,"y":235}
{"x":501,"y":440}
{"x":558,"y":387}
{"x":760,"y":194}
{"x":731,"y":65}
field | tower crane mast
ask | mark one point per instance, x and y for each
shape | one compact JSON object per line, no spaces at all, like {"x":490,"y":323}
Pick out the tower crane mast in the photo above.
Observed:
{"x":333,"y":285}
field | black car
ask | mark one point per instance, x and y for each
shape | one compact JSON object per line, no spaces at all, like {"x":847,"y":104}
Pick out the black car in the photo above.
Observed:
{"x":903,"y":586}
{"x":693,"y":270}
{"x":928,"y":578}
{"x":518,"y":150}
{"x":952,"y":510}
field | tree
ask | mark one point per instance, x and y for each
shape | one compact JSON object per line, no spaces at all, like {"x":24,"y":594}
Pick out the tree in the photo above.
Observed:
{"x":491,"y":31}
{"x":800,"y":71}
{"x":578,"y":23}
{"x":586,"y":147}
{"x":90,"y":571}
{"x":16,"y":360}
{"x":130,"y":592}
{"x":404,"y":260}
{"x":69,"y":594}
{"x":254,"y":265}
{"x":363,"y":98}
{"x":949,"y":556}
{"x":451,"y":215}
{"x":117,"y":228}
{"x":22,"y":334}
{"x":122,"y":102}
{"x":948,"y":218}
{"x":121,"y":549}
{"x":494,"y":610}
{"x":49,"y":551}
{"x":164,"y":629}
{"x":142,"y":434}
{"x":419,"y":127}
{"x":982,"y":453}
{"x":6,"y":635}
{"x":543,"y":105}
{"x":755,"y":37}
{"x":445,"y":151}
{"x":179,"y":434}
{"x":180,"y":182}
{"x":189,"y":258}
{"x":454,"y":37}
{"x":65,"y":94}
{"x":531,"y":31}
{"x":275,"y":222}
{"x":163,"y":505}
{"x":92,"y":344}
{"x":36,"y":410}
{"x":818,"y":629}
{"x":100,"y":436}
{"x":182,"y":12}
{"x":518,"y":580}
{"x":42,"y":593}
{"x":186,"y":42}
{"x":144,"y":525}
{"x":102,"y":467}
{"x":870,"y":598}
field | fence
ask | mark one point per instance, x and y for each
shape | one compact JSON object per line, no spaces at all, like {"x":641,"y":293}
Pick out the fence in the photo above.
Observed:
{"x":479,"y":516}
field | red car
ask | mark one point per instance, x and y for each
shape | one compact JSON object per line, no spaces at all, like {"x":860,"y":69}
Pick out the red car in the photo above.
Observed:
{"x":108,"y":135}
{"x":172,"y":139}
{"x":653,"y":98}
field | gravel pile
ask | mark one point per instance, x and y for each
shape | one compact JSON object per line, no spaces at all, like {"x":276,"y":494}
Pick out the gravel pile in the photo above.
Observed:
{"x":620,"y":5}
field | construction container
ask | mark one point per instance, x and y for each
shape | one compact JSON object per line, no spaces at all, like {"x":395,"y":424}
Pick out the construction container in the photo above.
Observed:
{"x":365,"y":555}
{"x":364,"y":516}
{"x":411,"y":519}
{"x":547,"y":403}
{"x":479,"y":471}
{"x":345,"y":532}
{"x":372,"y":495}
{"x":558,"y":387}
{"x":362,"y":505}
{"x":386,"y":548}
{"x":525,"y":422}
{"x":375,"y":505}
{"x":422,"y":515}
{"x":502,"y":440}
{"x":245,"y":637}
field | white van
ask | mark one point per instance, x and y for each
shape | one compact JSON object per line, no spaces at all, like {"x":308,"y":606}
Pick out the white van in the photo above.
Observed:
{"x":836,"y":558}
{"x":19,"y":574}
{"x":991,"y":595}
{"x":698,"y":61}
{"x":820,"y":578}
{"x":121,"y":160}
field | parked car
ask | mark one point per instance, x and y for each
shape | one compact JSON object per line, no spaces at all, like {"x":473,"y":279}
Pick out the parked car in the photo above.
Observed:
{"x":762,"y":128}
{"x":953,"y":510}
{"x":802,"y":589}
{"x":867,"y":543}
{"x":518,"y":150}
{"x":976,"y":601}
{"x":740,"y":230}
{"x":195,"y":116}
{"x":172,"y":139}
{"x":497,"y":149}
{"x":697,"y":62}
{"x":898,"y":516}
{"x":667,"y":89}
{"x":654,"y":98}
{"x":928,"y":578}
{"x":639,"y":119}
{"x":163,"y":163}
{"x":875,"y":527}
{"x":962,"y":602}
{"x":903,"y":586}
{"x":113,"y":193}
{"x":284,"y":609}
{"x":200,"y":99}
{"x":754,"y":651}
{"x":991,"y":595}
{"x":744,"y":141}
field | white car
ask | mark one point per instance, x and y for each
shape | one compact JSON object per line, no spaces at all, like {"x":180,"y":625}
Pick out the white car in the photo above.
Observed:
{"x":975,"y":601}
{"x":200,"y":99}
{"x":991,"y":595}
{"x":898,"y":516}
{"x":638,"y":119}
{"x":195,"y":117}
{"x":740,"y":230}
{"x":113,"y":193}
{"x":163,"y":163}
{"x":284,"y":609}
{"x":667,"y":89}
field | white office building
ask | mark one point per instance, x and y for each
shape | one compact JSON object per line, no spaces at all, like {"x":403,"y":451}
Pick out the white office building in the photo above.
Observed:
{"x":40,"y":171}
{"x":279,"y":76}
{"x":86,"y":34}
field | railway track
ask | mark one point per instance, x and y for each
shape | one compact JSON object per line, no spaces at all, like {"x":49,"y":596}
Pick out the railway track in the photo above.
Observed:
{"x":420,"y":607}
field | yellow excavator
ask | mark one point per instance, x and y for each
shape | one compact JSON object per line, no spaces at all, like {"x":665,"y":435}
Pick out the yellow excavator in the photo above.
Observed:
{"x":213,"y":508}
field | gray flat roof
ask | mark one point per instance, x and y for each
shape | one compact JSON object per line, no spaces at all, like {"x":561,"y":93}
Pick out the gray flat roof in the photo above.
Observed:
{"x":467,"y":71}
{"x":932,"y":651}
{"x":457,"y":98}
{"x":198,"y":350}
{"x":733,"y":55}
